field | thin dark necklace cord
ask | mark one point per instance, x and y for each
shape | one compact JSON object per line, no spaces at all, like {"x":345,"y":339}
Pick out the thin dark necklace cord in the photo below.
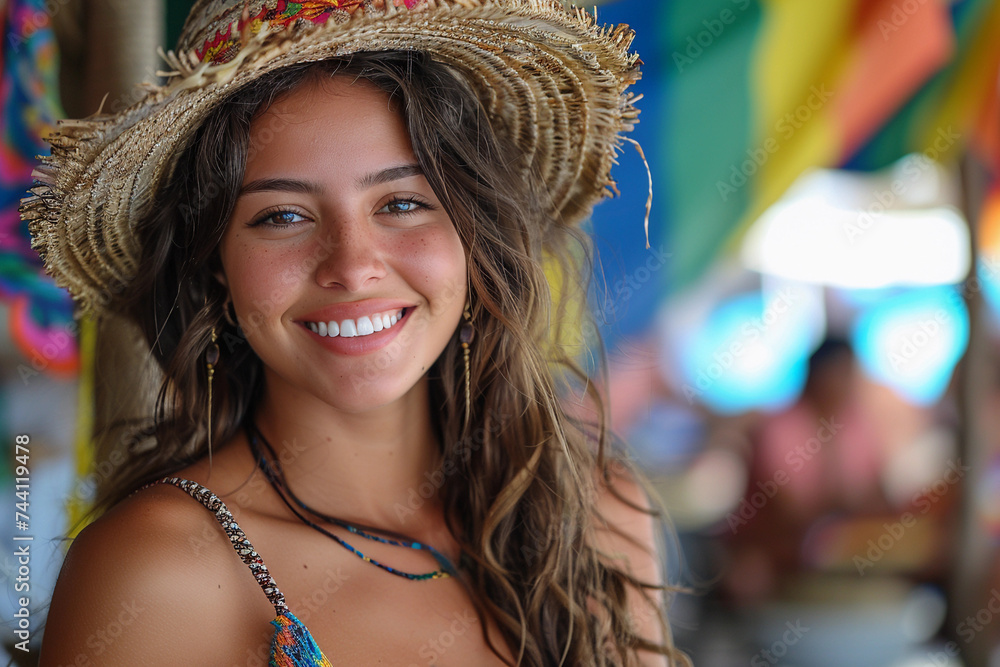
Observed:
{"x":281,"y":487}
{"x":276,"y":476}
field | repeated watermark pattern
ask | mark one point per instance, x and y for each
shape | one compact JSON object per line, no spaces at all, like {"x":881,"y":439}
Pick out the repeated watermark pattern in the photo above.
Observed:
{"x":911,"y":170}
{"x":923,"y":501}
{"x":727,"y":354}
{"x":908,"y":347}
{"x":785,"y":128}
{"x":625,"y":288}
{"x":901,"y":13}
{"x":967,"y":629}
{"x":796,"y":459}
{"x":777,"y":650}
{"x":696,"y":44}
{"x":416,"y":497}
{"x":39,"y":20}
{"x":40,"y":359}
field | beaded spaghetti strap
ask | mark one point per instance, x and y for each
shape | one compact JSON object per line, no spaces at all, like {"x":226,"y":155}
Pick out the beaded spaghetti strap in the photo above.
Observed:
{"x":236,"y":535}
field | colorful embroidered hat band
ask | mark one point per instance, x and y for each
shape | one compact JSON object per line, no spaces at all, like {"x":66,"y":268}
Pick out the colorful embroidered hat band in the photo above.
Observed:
{"x":556,"y":81}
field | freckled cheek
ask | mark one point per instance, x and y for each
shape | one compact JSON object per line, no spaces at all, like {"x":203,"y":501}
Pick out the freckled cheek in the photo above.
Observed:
{"x":436,"y":267}
{"x":261,"y":283}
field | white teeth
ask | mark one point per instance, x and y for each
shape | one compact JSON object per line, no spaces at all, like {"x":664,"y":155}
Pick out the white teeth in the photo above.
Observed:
{"x":363,"y":326}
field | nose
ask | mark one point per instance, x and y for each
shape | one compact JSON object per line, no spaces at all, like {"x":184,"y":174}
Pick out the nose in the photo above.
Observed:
{"x":349,"y":256}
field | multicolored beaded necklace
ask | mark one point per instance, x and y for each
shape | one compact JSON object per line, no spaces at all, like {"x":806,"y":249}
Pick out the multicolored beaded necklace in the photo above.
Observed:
{"x":279,"y":484}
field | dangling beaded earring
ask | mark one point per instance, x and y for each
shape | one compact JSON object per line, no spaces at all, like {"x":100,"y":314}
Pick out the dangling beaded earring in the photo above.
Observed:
{"x":465,"y":336}
{"x":211,"y":359}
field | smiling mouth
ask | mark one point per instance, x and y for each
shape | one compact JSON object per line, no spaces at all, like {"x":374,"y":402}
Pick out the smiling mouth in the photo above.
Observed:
{"x":365,"y":325}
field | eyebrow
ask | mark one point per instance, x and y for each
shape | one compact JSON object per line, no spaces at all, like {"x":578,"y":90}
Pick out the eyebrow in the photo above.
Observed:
{"x":280,"y":185}
{"x":312,"y":188}
{"x":388,"y":175}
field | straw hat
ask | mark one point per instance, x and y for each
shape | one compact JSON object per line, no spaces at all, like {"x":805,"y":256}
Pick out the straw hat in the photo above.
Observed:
{"x":556,"y":79}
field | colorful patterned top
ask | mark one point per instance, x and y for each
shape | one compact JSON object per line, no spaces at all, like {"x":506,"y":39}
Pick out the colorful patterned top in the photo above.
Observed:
{"x":293,"y":645}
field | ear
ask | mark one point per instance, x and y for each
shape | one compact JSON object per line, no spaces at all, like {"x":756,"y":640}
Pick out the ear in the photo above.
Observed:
{"x":220,"y":275}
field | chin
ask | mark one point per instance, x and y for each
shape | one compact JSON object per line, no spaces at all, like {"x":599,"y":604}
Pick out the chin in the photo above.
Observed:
{"x":359,"y":395}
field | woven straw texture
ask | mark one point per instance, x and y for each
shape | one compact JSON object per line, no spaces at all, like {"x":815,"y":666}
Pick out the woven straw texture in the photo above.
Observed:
{"x":548,"y":75}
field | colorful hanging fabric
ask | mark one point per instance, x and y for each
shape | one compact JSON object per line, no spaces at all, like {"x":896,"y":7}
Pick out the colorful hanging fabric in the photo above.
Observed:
{"x":741,"y":96}
{"x":41,"y":315}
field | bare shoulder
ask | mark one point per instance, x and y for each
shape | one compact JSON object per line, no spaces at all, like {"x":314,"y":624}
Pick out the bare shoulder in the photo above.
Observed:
{"x":154,"y":581}
{"x":626,"y":535}
{"x":626,"y":525}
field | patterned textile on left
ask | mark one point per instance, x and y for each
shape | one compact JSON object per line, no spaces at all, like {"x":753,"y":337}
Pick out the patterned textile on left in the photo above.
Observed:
{"x":41,"y":315}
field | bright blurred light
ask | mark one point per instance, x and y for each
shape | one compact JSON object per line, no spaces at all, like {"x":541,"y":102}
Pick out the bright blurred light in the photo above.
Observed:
{"x":750,"y":353}
{"x":912,"y":341}
{"x":844,"y":229}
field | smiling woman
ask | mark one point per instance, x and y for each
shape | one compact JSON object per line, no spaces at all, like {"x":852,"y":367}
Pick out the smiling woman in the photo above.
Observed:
{"x":336,"y":250}
{"x":340,"y":194}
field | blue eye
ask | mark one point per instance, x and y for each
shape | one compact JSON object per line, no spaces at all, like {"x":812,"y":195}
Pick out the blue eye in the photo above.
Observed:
{"x":404,"y":206}
{"x":278,"y":218}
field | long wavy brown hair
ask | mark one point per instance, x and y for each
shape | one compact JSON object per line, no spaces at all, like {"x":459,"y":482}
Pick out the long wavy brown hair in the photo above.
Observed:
{"x":523,"y":471}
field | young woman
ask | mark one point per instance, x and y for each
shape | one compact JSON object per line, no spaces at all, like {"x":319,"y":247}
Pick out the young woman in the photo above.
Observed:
{"x":333,"y":226}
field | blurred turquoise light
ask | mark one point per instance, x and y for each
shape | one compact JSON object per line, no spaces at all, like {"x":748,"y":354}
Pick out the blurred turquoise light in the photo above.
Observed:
{"x":748,"y":355}
{"x":912,"y":341}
